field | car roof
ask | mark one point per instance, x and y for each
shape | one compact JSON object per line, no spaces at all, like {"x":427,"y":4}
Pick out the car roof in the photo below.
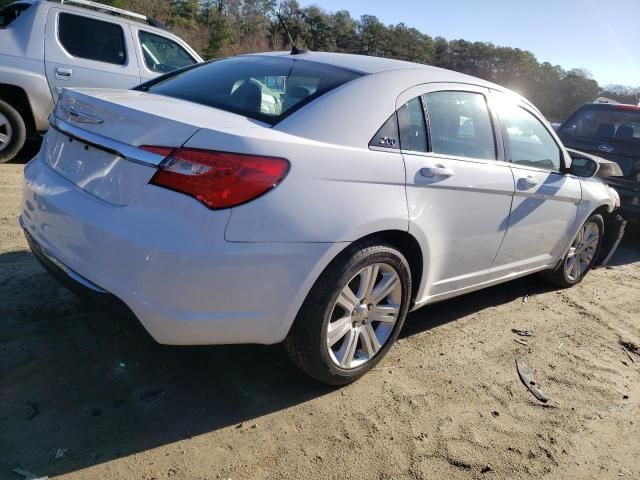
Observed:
{"x":368,"y":65}
{"x":97,"y":13}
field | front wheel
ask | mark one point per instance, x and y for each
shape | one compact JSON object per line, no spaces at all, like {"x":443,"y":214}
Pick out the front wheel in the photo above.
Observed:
{"x":13,"y":132}
{"x":352,"y":315}
{"x":581,"y":255}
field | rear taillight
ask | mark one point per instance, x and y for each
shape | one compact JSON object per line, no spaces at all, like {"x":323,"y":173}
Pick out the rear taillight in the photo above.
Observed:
{"x":218,"y":179}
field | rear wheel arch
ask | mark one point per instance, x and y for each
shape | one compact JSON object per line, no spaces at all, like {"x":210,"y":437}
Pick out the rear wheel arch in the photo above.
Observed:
{"x":406,"y":244}
{"x":18,"y":99}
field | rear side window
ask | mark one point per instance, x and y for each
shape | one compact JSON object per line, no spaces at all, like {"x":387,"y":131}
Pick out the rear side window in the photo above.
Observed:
{"x":413,"y":132}
{"x":162,"y":55}
{"x":92,"y":39}
{"x":529,"y":141}
{"x":459,"y":124}
{"x":261,"y":87}
{"x":11,"y":12}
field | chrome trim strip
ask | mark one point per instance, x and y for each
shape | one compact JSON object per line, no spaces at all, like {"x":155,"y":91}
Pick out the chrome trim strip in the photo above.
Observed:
{"x":129,"y":152}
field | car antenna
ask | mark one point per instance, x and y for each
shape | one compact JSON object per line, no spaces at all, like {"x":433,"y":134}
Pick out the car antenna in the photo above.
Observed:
{"x":294,"y":49}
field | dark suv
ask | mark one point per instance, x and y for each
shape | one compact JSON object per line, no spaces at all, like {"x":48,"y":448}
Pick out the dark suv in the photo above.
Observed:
{"x":611,"y":131}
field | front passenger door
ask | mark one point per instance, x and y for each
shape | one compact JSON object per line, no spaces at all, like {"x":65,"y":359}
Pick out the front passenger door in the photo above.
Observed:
{"x":545,"y":203}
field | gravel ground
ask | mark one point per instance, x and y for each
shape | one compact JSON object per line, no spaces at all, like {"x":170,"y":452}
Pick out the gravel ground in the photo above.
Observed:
{"x":79,"y":383}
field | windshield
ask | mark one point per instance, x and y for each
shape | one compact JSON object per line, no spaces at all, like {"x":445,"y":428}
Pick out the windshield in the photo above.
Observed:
{"x":616,"y":124}
{"x":260,"y":87}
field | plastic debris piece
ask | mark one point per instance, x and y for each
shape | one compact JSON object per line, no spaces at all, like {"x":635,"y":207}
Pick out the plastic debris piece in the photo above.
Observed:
{"x":521,"y":342}
{"x":60,"y":452}
{"x":527,"y":378}
{"x":522,"y":333}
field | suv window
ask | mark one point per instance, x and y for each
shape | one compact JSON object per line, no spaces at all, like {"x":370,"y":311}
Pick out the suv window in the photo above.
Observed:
{"x":413,"y":132}
{"x":459,"y":124}
{"x":161,"y":54}
{"x":529,"y":141}
{"x":92,"y":39}
{"x":261,"y":87}
{"x":11,"y":12}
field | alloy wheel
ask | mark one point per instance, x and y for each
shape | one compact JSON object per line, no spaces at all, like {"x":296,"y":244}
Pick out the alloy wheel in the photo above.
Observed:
{"x":5,"y":132}
{"x":582,"y":252}
{"x":364,"y":315}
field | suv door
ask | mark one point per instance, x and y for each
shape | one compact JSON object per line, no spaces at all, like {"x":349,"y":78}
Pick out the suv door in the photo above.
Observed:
{"x":545,"y":203}
{"x":459,"y":189}
{"x":83,"y":50}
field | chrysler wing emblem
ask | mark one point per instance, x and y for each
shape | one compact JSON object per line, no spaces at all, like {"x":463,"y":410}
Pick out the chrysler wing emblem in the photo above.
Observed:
{"x":81,"y":117}
{"x":606,"y":148}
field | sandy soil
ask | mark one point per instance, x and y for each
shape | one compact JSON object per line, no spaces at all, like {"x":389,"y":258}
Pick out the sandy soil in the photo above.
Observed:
{"x":446,"y":403}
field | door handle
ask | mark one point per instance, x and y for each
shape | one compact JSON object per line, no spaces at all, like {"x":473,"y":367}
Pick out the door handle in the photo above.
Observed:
{"x":525,"y":183}
{"x":63,"y":73}
{"x":437,"y":171}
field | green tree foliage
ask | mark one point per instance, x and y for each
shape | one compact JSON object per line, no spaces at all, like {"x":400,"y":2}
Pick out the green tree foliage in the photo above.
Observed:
{"x":218,"y":28}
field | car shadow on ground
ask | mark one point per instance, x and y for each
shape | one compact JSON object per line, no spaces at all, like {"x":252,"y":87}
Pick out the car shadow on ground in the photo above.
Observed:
{"x":76,"y":376}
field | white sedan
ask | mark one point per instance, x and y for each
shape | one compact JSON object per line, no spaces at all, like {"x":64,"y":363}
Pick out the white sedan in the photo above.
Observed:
{"x":378,"y":187}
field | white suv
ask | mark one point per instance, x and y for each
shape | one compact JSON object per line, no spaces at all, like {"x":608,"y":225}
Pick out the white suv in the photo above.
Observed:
{"x":86,"y":44}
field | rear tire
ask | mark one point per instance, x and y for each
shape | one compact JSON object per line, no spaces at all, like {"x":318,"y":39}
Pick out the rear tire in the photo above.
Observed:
{"x":13,"y":132}
{"x":339,"y":336}
{"x":581,"y":256}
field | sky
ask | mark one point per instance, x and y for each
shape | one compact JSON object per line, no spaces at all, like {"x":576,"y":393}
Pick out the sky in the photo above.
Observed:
{"x":601,"y":36}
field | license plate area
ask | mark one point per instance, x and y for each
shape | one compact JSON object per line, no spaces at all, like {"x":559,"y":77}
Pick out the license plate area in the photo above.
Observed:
{"x":101,"y":173}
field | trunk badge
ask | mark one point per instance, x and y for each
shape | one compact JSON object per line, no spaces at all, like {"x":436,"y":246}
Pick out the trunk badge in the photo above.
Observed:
{"x":606,"y":148}
{"x":81,"y":117}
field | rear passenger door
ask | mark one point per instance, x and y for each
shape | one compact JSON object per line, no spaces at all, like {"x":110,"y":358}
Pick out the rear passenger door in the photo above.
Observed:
{"x":459,"y":189}
{"x":83,"y":50}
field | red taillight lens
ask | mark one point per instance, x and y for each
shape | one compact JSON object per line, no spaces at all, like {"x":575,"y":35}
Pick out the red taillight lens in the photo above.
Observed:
{"x":220,"y":179}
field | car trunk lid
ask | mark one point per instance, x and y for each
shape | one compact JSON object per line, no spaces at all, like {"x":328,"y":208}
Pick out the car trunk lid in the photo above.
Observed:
{"x":96,"y":137}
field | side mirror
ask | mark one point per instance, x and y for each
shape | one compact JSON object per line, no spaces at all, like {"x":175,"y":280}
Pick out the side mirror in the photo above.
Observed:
{"x":584,"y":167}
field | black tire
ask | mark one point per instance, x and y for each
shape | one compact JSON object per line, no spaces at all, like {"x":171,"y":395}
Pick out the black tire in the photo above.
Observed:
{"x":559,"y":276}
{"x":16,"y":129}
{"x":306,"y":342}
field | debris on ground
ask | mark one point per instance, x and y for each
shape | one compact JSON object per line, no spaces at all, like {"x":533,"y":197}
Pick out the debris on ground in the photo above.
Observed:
{"x":527,"y":378}
{"x":60,"y":452}
{"x":525,"y":299}
{"x":629,"y":348}
{"x":522,"y":333}
{"x":521,"y":342}
{"x":27,"y":474}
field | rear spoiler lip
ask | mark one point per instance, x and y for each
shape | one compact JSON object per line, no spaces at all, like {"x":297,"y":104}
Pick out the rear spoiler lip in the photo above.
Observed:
{"x":123,"y":150}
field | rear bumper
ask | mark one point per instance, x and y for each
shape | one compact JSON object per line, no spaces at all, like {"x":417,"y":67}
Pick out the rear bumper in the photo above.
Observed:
{"x":164,"y":256}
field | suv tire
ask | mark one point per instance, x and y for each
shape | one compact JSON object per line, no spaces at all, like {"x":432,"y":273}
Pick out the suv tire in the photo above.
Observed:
{"x":13,"y":132}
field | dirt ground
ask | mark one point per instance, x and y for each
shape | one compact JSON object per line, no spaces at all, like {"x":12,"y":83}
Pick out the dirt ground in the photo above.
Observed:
{"x":77,"y":383}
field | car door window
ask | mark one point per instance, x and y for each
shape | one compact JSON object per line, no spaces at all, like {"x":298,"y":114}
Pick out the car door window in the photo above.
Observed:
{"x":92,"y":39}
{"x":413,"y":132}
{"x":529,"y":141}
{"x":162,"y":55}
{"x":460,"y":125}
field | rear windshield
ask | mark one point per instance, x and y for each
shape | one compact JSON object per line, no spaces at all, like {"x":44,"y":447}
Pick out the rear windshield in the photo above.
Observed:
{"x":613,"y":124}
{"x":260,"y":87}
{"x":10,"y":13}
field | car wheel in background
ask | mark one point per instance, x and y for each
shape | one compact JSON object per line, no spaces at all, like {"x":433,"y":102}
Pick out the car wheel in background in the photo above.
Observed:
{"x":13,"y":132}
{"x":581,"y":255}
{"x":352,"y":315}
